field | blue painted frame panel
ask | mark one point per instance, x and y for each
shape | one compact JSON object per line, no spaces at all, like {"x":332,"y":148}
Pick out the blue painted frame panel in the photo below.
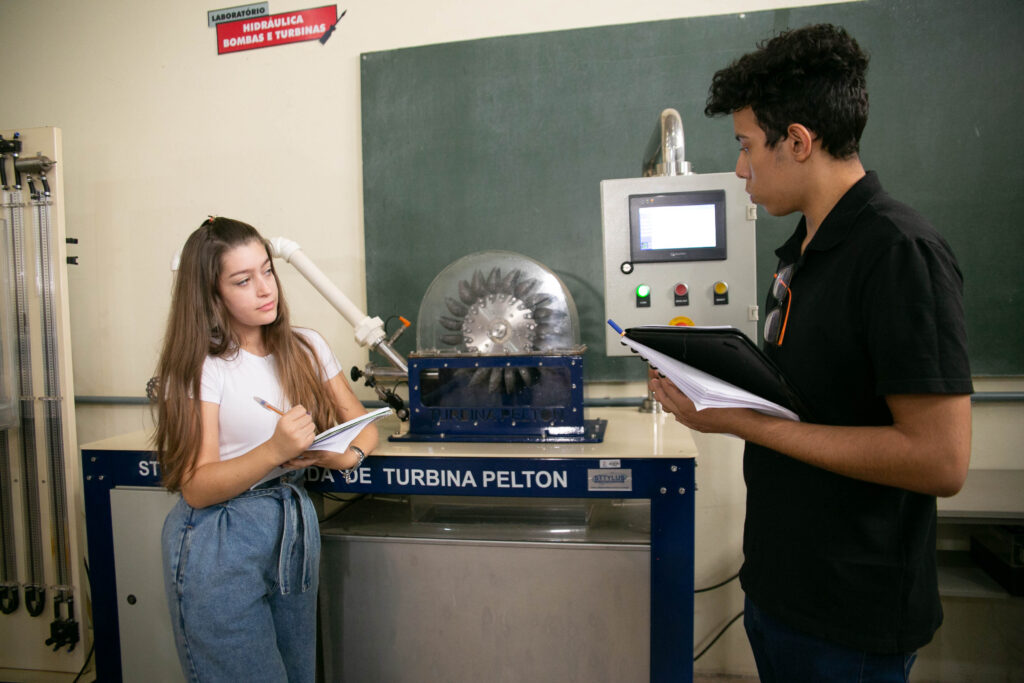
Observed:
{"x":667,"y":482}
{"x":102,"y":471}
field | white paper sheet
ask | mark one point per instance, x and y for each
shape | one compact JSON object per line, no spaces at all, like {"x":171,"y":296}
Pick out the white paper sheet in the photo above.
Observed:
{"x":706,"y":391}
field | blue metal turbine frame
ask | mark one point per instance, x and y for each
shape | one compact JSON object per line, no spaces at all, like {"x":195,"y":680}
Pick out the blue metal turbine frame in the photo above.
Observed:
{"x":446,"y":403}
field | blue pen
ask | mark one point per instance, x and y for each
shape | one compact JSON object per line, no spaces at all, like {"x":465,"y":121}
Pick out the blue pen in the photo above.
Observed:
{"x":615,"y":327}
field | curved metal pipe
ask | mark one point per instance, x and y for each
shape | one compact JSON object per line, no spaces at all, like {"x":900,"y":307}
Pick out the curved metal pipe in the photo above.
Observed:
{"x":666,"y":152}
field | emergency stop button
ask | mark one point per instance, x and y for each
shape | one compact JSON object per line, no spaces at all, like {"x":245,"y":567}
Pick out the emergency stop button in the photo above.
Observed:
{"x":721,"y":293}
{"x":681,"y":294}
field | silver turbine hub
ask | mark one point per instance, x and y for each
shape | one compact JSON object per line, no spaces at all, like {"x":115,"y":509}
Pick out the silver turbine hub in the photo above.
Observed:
{"x":499,"y":323}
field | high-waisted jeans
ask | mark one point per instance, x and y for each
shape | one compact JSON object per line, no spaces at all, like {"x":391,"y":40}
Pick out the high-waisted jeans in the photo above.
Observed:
{"x":241,"y":580}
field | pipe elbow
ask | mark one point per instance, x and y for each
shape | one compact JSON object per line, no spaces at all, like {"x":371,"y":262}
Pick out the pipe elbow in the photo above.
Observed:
{"x":282,"y":247}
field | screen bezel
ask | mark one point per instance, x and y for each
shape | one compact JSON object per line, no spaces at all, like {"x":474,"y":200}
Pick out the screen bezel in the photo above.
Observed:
{"x":691,"y":198}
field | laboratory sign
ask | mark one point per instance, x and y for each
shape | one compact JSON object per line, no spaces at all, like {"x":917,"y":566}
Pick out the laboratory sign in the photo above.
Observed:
{"x":254,"y":11}
{"x":275,"y":29}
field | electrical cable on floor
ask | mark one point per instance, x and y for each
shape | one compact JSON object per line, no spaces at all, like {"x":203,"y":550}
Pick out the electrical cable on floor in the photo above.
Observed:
{"x":345,"y":503}
{"x":85,"y":664}
{"x":731,"y":621}
{"x":718,"y":585}
{"x":92,"y":649}
{"x":720,"y":634}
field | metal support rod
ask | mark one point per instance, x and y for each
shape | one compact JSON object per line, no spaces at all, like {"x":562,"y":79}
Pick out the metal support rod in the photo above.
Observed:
{"x":51,"y":388}
{"x":9,"y":569}
{"x":34,"y":586}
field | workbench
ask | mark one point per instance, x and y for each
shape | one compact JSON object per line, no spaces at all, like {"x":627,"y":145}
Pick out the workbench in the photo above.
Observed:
{"x":642,"y":456}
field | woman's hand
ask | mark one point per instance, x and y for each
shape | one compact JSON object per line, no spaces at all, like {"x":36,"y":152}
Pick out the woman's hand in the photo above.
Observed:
{"x":326,"y":459}
{"x":293,"y":434}
{"x":348,"y":407}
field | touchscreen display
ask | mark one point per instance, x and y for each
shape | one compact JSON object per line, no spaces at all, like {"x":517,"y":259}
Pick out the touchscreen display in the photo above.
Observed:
{"x":677,"y":226}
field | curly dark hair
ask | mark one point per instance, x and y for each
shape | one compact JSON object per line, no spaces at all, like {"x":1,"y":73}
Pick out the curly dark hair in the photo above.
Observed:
{"x":814,"y":76}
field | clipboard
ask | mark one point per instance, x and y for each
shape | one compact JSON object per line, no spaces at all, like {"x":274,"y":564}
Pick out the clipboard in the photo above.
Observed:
{"x":726,"y":353}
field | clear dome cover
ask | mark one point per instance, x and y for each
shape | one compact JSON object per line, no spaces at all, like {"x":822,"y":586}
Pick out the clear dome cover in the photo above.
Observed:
{"x":497,"y":303}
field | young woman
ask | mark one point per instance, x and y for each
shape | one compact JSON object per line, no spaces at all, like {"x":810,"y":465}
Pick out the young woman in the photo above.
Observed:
{"x":241,"y":554}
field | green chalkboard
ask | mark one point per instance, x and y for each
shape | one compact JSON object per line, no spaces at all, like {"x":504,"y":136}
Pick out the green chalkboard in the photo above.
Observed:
{"x":501,"y":143}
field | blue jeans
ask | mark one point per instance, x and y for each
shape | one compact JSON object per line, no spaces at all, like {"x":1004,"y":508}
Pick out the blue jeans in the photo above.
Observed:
{"x":241,"y":580}
{"x":787,"y":656}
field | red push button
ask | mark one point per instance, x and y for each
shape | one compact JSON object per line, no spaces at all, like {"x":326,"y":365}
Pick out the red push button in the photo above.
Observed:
{"x":681,"y":294}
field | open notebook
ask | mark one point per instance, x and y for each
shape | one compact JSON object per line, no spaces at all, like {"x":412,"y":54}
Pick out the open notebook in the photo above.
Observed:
{"x":716,"y":367}
{"x":335,"y":439}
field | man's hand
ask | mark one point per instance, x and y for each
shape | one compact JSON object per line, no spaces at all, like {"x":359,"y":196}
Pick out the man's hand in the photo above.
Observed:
{"x":709,"y":420}
{"x":926,"y":449}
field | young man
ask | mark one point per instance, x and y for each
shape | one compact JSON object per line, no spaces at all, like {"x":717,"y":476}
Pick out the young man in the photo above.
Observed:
{"x":865,"y":318}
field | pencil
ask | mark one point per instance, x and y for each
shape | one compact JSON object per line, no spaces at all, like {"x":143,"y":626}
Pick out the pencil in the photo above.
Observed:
{"x":267,"y":405}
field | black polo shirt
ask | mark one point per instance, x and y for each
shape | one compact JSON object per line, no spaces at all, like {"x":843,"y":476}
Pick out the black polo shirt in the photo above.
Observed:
{"x":876,"y":309}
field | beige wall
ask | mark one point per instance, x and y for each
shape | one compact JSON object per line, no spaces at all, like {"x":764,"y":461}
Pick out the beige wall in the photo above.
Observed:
{"x":160,"y":131}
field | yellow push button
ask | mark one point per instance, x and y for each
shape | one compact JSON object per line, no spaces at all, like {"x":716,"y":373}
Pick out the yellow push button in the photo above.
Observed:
{"x":681,"y":321}
{"x":721,"y":291}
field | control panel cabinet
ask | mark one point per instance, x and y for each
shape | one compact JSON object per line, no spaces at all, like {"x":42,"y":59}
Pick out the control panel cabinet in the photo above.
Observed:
{"x":678,"y":250}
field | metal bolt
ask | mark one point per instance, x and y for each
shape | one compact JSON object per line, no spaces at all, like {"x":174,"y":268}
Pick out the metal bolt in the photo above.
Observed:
{"x":681,"y":490}
{"x":675,"y":468}
{"x":664,"y":490}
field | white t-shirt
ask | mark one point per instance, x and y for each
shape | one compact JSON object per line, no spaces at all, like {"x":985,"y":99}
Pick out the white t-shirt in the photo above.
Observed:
{"x":233,"y":382}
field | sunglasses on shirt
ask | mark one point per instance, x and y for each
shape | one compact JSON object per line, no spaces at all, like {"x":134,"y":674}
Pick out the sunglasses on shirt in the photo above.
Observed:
{"x":780,"y":300}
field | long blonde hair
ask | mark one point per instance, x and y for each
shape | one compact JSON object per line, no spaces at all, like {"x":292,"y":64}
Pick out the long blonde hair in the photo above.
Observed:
{"x":198,"y":326}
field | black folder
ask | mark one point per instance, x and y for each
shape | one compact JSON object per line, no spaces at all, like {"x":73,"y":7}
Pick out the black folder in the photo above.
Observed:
{"x":729,"y":355}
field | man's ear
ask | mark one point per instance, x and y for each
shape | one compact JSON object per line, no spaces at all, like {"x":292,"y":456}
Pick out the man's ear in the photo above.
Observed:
{"x":800,"y":140}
